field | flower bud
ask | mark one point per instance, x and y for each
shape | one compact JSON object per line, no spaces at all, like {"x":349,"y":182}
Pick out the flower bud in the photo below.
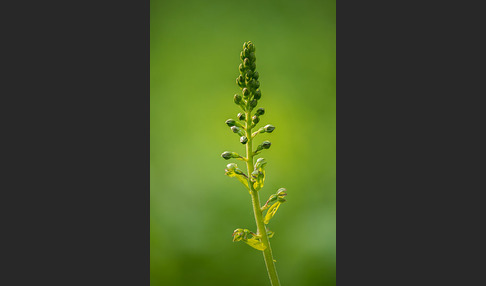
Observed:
{"x":257,"y":95}
{"x":251,"y":46}
{"x":246,"y":92}
{"x":260,"y":163}
{"x":241,"y":116}
{"x":241,"y":68}
{"x":255,"y":119}
{"x":238,"y":234}
{"x":282,"y":192}
{"x":243,"y":139}
{"x":228,"y":155}
{"x":256,"y":75}
{"x":253,"y":66}
{"x":231,"y":167}
{"x":234,"y":129}
{"x":253,"y":103}
{"x":240,"y":81}
{"x":256,"y":84}
{"x":248,"y":75}
{"x":260,"y":111}
{"x":246,"y":62}
{"x":230,"y":122}
{"x":252,"y":57}
{"x":269,"y":128}
{"x":237,"y":98}
{"x":266,"y":144}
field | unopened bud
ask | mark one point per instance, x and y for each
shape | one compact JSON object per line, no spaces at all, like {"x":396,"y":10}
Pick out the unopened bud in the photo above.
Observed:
{"x":253,"y":103}
{"x":230,"y":122}
{"x":256,"y":75}
{"x":228,"y":155}
{"x":243,"y":139}
{"x":231,"y":167}
{"x":246,"y":62}
{"x":255,"y":119}
{"x":260,"y":111}
{"x":241,"y":68}
{"x":266,"y":144}
{"x":240,"y":81}
{"x":246,"y":92}
{"x":260,"y":163}
{"x":251,"y":46}
{"x":257,"y":94}
{"x":248,"y":75}
{"x":241,"y":116}
{"x":269,"y":128}
{"x":237,"y":98}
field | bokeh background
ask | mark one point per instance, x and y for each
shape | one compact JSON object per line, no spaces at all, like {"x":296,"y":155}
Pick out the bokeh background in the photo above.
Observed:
{"x":194,"y":207}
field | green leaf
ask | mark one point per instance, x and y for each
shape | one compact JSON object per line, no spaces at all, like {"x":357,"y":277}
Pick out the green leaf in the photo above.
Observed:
{"x":271,"y":212}
{"x":255,"y":243}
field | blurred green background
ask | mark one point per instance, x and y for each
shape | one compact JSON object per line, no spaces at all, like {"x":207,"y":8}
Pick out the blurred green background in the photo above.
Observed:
{"x":194,"y":207}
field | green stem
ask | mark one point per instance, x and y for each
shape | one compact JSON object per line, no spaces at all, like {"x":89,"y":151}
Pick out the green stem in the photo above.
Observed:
{"x":261,"y":229}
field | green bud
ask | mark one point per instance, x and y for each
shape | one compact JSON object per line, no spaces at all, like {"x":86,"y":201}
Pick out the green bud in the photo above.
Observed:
{"x":240,"y":81}
{"x":241,"y":116}
{"x":246,"y":92}
{"x":241,"y":68}
{"x":256,"y":75}
{"x":253,"y":103}
{"x":255,"y":119}
{"x":228,"y":155}
{"x":231,"y":167}
{"x":243,"y":139}
{"x":246,"y":62}
{"x":260,"y":111}
{"x":257,"y":94}
{"x":266,"y":144}
{"x":282,"y":192}
{"x":261,"y":162}
{"x":252,"y":57}
{"x":237,"y":98}
{"x":238,"y":234}
{"x":246,"y":53}
{"x":248,"y":75}
{"x":251,"y":46}
{"x":256,"y":84}
{"x":230,"y":122}
{"x":253,"y":66}
{"x":269,"y":128}
{"x":234,"y":129}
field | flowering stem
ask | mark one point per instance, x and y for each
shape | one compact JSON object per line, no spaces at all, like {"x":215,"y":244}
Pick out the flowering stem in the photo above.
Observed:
{"x":261,"y":229}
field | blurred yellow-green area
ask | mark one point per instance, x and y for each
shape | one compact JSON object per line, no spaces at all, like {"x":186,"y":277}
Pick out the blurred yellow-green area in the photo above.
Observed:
{"x":194,"y":207}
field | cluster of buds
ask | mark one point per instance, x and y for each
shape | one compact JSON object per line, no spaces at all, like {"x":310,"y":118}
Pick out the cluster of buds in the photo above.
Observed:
{"x":250,"y":238}
{"x":248,"y":79}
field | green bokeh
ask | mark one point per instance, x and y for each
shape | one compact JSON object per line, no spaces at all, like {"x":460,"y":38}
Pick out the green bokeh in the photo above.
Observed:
{"x":194,"y":207}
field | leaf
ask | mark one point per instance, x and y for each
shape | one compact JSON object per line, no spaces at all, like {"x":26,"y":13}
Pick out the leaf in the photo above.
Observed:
{"x":271,"y":212}
{"x":255,"y":243}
